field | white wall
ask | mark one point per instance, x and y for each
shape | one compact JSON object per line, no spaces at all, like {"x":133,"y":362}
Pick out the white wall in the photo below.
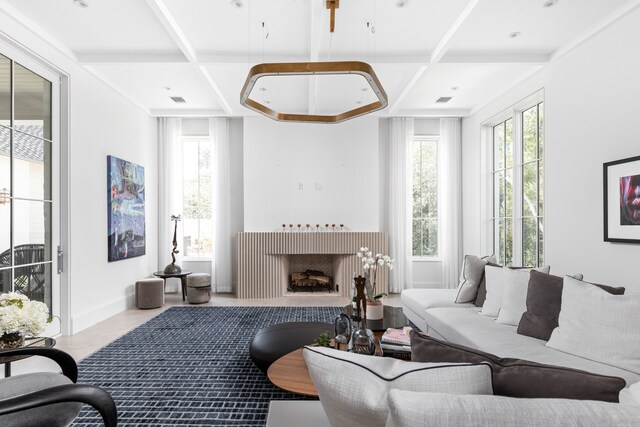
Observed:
{"x":592,"y":102}
{"x":102,"y":123}
{"x":342,"y":158}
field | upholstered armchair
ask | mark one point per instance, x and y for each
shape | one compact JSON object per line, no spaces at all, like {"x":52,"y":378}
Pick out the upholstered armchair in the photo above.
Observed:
{"x":47,"y":398}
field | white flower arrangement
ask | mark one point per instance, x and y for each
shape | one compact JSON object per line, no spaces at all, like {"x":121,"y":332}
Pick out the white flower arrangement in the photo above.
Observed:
{"x":19,"y":314}
{"x":370,"y":266}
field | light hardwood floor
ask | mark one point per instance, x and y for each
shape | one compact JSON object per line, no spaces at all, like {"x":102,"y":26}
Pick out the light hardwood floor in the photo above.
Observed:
{"x":88,"y":341}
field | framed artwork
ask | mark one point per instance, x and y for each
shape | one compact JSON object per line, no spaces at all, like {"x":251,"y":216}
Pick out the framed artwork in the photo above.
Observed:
{"x":622,"y":200}
{"x":125,"y":207}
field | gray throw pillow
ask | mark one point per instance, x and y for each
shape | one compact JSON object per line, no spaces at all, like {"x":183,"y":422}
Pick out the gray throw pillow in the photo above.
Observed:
{"x":544,"y":298}
{"x":521,"y":378}
{"x":470,"y":278}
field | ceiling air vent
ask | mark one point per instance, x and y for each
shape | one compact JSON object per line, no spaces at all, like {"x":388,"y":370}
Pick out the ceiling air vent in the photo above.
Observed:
{"x":444,"y":99}
{"x":178,"y":99}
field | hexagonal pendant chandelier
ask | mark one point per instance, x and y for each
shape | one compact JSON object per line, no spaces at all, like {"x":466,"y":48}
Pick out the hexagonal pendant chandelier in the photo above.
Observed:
{"x":313,"y":68}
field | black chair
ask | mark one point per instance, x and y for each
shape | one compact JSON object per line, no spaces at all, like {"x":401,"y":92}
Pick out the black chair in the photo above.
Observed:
{"x":29,"y":270}
{"x":50,"y":399}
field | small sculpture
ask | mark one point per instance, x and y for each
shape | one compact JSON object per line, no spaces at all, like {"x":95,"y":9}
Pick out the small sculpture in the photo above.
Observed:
{"x":361,"y":299}
{"x":174,"y":268}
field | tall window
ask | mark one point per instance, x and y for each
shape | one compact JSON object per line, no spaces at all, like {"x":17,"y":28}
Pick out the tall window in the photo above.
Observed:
{"x":196,"y":197}
{"x":517,"y":172}
{"x":425,"y":196}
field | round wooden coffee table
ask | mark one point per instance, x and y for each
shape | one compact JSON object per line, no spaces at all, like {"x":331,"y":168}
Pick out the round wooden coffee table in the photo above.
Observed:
{"x":290,"y":373}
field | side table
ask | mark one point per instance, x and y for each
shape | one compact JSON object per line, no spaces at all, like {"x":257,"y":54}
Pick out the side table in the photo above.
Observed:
{"x":182,"y":276}
{"x":28,"y":342}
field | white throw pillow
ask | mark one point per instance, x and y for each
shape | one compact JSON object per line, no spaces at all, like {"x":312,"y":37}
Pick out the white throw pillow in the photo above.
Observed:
{"x":470,"y":278}
{"x":497,"y":280}
{"x":598,"y":326}
{"x":353,"y":388}
{"x":418,"y":409}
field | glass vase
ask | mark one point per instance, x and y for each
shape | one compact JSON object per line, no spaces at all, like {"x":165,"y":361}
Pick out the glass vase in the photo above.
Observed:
{"x":363,"y":341}
{"x":11,"y":340}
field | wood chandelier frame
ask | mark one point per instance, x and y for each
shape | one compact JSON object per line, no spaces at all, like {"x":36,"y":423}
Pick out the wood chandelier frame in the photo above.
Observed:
{"x":313,"y":68}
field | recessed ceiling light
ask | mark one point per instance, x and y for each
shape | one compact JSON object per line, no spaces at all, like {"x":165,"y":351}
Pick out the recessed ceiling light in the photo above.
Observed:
{"x":358,"y":102}
{"x":81,"y":3}
{"x":178,"y":99}
{"x":167,"y":88}
{"x":549,"y":3}
{"x":262,"y":89}
{"x":455,"y":88}
{"x":402,"y":3}
{"x":514,"y":34}
{"x":236,"y":3}
{"x":267,"y":102}
{"x":364,"y":89}
{"x":443,"y":99}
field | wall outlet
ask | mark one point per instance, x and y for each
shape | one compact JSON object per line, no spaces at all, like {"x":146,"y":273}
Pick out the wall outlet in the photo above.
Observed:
{"x":300,"y":186}
{"x":318,"y":186}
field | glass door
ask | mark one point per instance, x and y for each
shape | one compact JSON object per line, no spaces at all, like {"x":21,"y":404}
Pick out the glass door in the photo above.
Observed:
{"x":29,"y":231}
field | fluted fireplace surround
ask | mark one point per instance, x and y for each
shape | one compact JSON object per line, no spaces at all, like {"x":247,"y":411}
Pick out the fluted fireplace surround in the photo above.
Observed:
{"x":264,"y":259}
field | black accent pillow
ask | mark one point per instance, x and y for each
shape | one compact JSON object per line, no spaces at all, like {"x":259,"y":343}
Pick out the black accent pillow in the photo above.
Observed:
{"x":521,"y":378}
{"x":544,"y":299}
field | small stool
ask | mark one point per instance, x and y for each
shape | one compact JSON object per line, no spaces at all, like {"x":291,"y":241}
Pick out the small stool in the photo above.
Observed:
{"x":149,"y":293}
{"x":198,"y":288}
{"x":273,"y":342}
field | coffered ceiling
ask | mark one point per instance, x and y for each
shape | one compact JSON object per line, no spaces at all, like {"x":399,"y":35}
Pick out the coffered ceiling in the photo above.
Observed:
{"x":202,"y":50}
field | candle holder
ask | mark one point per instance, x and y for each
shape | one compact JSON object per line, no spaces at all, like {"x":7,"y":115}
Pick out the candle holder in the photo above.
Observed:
{"x":284,"y":227}
{"x":341,"y":227}
{"x":333,"y":227}
{"x":299,"y":227}
{"x":317,"y":227}
{"x":308,"y":227}
{"x":290,"y":227}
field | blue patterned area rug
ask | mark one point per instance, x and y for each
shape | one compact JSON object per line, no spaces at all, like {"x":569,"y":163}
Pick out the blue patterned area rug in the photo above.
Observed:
{"x":191,"y":366}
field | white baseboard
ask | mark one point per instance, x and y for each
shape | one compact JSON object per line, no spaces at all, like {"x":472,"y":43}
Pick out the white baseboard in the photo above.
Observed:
{"x":90,"y":317}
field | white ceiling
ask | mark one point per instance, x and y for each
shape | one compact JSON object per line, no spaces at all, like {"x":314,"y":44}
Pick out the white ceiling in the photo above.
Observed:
{"x":202,"y":50}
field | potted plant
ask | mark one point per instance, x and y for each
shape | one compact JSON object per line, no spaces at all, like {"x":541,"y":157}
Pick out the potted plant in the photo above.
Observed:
{"x":370,"y":265}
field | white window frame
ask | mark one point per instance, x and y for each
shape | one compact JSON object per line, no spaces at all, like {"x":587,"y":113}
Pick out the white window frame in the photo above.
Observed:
{"x":486,"y":169}
{"x":196,"y":138}
{"x":428,"y":258}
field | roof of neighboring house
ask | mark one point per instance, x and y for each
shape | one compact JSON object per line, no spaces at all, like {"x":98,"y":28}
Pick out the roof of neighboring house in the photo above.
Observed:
{"x":28,"y":144}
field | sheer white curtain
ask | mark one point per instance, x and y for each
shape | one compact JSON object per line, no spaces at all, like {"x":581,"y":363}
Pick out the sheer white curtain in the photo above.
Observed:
{"x":169,"y":185}
{"x":450,"y":150}
{"x":399,"y":227}
{"x":222,"y":236}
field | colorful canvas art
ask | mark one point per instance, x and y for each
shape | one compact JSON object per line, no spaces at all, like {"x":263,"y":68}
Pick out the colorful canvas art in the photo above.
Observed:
{"x":630,"y":200}
{"x":125,"y":209}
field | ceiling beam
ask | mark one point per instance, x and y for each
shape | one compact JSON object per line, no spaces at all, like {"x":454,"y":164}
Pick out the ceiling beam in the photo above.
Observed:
{"x":408,"y":88}
{"x":485,"y":57}
{"x":178,"y":112}
{"x":435,"y":112}
{"x":175,"y":32}
{"x":96,"y":58}
{"x":445,"y":43}
{"x":315,"y":38}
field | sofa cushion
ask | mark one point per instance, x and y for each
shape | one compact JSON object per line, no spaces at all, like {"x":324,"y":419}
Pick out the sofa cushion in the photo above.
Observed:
{"x":544,"y":298}
{"x":498,"y":278}
{"x":411,"y":409}
{"x":470,"y":278}
{"x":419,"y":300}
{"x":464,"y":326}
{"x":598,"y":326}
{"x":354,"y":387}
{"x":521,"y":378}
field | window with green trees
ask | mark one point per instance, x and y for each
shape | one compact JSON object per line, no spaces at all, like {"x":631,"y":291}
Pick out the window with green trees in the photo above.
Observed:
{"x":518,"y":191}
{"x":197,"y":225}
{"x":425,"y":196}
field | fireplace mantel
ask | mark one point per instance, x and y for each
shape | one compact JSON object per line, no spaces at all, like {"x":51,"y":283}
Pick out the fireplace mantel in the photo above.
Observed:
{"x":263,"y":258}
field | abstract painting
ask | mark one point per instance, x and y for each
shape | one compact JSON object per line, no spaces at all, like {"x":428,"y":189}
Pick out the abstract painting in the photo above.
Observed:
{"x":622,"y":200}
{"x":125,"y":196}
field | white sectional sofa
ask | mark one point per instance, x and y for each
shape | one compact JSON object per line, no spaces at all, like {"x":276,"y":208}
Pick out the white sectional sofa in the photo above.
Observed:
{"x":435,"y":312}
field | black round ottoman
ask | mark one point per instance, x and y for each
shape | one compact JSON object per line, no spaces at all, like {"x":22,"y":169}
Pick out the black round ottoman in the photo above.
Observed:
{"x":273,"y":342}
